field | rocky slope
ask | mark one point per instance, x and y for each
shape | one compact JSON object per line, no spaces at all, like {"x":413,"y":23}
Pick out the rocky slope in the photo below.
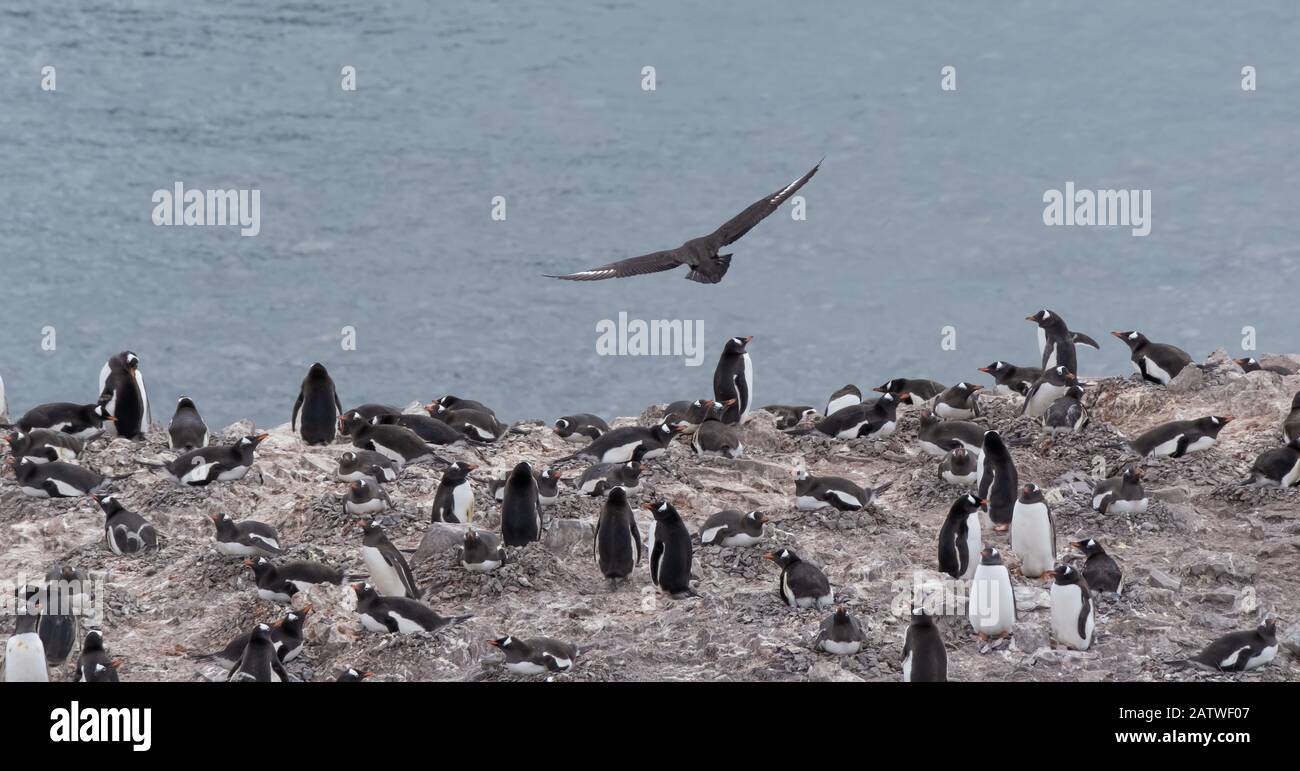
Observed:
{"x":1208,"y":557}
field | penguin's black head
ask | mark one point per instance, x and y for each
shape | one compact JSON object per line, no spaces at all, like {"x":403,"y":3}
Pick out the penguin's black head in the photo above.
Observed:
{"x":1064,"y":575}
{"x":471,"y":537}
{"x":1060,"y":375}
{"x":1248,"y":364}
{"x":252,"y":440}
{"x":633,"y":467}
{"x":293,"y":620}
{"x":664,"y":430}
{"x":351,"y":675}
{"x":662,"y":510}
{"x":736,"y":345}
{"x":1075,"y":391}
{"x":928,"y":418}
{"x":132,"y":361}
{"x":990,"y":556}
{"x":1089,"y":547}
{"x":895,"y":386}
{"x":185,"y":403}
{"x":522,"y":473}
{"x":757,"y":518}
{"x":1031,"y":493}
{"x":841,"y":615}
{"x":561,"y":427}
{"x":98,"y":414}
{"x":262,"y":632}
{"x":921,"y":618}
{"x":94,"y":641}
{"x":1132,"y":338}
{"x":959,"y":453}
{"x":364,"y":591}
{"x":504,"y":643}
{"x":1133,"y":472}
{"x":350,"y":422}
{"x":317,"y":372}
{"x":782,"y":557}
{"x":617,"y":496}
{"x":1268,"y":629}
{"x":995,"y":369}
{"x":261,"y":566}
{"x":107,"y":503}
{"x":968,"y":503}
{"x":1045,"y":319}
{"x":458,"y":470}
{"x":1213,"y":424}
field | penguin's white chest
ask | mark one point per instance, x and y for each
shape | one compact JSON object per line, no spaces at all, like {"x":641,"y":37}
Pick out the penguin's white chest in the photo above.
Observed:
{"x":384,"y":576}
{"x":25,"y":659}
{"x":748,"y":395}
{"x":974,"y":544}
{"x":1067,"y":603}
{"x":1154,"y":370}
{"x":462,"y":501}
{"x":991,"y":607}
{"x":1031,"y":538}
{"x":848,"y":400}
{"x":621,"y":453}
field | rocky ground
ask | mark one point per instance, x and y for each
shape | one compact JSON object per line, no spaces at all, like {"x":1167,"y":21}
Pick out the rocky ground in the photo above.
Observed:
{"x":1209,"y":557}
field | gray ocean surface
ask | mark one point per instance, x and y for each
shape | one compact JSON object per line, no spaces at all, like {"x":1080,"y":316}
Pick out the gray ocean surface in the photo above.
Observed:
{"x":375,"y":204}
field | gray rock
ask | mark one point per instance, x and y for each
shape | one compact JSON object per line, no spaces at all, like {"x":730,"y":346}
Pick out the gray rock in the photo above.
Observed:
{"x":564,"y":534}
{"x":1217,"y":565}
{"x":1170,"y":494}
{"x":1289,"y":638}
{"x":1163,"y":580}
{"x":831,"y":672}
{"x":1190,"y":379}
{"x":1031,"y":638}
{"x":1031,"y":598}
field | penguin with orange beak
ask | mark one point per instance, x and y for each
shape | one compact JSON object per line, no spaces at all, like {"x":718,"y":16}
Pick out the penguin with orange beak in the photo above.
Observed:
{"x":221,"y":463}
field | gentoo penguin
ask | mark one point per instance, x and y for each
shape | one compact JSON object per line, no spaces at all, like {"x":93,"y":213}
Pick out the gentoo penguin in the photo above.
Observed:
{"x":1033,"y":532}
{"x":960,"y":541}
{"x":249,"y":538}
{"x":707,"y":266}
{"x":734,"y":379}
{"x":1155,"y":362}
{"x":714,"y":437}
{"x":670,"y":558}
{"x":790,"y":415}
{"x":58,"y":625}
{"x":875,"y":420}
{"x":960,"y":467}
{"x":958,"y":402}
{"x":125,"y":532}
{"x":1279,"y":466}
{"x":582,"y":427}
{"x":1054,"y":384}
{"x":1121,"y":494}
{"x":187,"y":431}
{"x":937,"y":436}
{"x":803,"y":584}
{"x":400,"y":615}
{"x":535,"y":656}
{"x":55,"y":479}
{"x":427,"y":427}
{"x":364,"y":499}
{"x":25,"y":653}
{"x":1010,"y":379}
{"x":924,"y":658}
{"x":84,"y":421}
{"x":1067,"y":413}
{"x":1099,"y":569}
{"x":286,"y":638}
{"x":1237,"y":651}
{"x":368,"y":465}
{"x":686,"y":417}
{"x":316,"y":411}
{"x":369,"y":411}
{"x":617,"y":544}
{"x":482,"y":551}
{"x":122,"y":392}
{"x":599,"y":477}
{"x":474,"y":425}
{"x":397,"y":443}
{"x":812,"y":493}
{"x":847,"y":396}
{"x":1056,"y":342}
{"x":911,"y":391}
{"x":840,"y":634}
{"x":991,"y":606}
{"x":497,"y":485}
{"x":219,"y":463}
{"x":1181,"y":437}
{"x":37,"y":443}
{"x":521,"y":519}
{"x":389,"y":572}
{"x":732,"y":527}
{"x":620,"y":445}
{"x":456,"y":403}
{"x":999,"y":484}
{"x":351,"y":675}
{"x":1291,"y":424}
{"x":454,"y":500}
{"x":548,"y":485}
{"x":1073,"y":623}
{"x":94,"y":665}
{"x":1251,"y":364}
{"x":259,"y":663}
{"x":279,"y":583}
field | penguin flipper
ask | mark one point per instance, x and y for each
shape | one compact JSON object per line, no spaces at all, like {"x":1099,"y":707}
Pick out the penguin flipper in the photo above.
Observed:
{"x":656,"y":554}
{"x":293,"y":419}
{"x":1080,"y":338}
{"x":1181,"y":449}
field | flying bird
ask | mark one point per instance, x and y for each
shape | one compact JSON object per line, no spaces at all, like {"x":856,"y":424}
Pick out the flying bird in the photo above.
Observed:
{"x":701,"y":254}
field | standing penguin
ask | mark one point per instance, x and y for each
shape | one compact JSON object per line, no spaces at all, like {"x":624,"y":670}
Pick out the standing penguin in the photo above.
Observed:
{"x":924,"y":657}
{"x":1073,"y":623}
{"x":991,"y":606}
{"x":24,"y":652}
{"x":998,"y":481}
{"x":122,"y":393}
{"x":617,"y":544}
{"x":260,"y":662}
{"x":521,"y":520}
{"x":187,"y":431}
{"x":59,"y":618}
{"x":734,"y":379}
{"x":389,"y":571}
{"x":1056,"y":342}
{"x":454,"y":500}
{"x":1033,"y":532}
{"x":1100,"y":570}
{"x":670,"y":559}
{"x":316,"y":412}
{"x":959,"y":538}
{"x":1155,"y":362}
{"x":94,"y":665}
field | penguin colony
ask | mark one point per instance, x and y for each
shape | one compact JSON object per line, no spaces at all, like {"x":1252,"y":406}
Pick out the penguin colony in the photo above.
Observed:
{"x":1001,"y":545}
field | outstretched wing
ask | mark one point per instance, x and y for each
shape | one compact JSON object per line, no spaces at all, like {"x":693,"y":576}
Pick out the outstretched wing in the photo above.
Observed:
{"x":1080,"y":338}
{"x":739,"y":225}
{"x":654,"y":262}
